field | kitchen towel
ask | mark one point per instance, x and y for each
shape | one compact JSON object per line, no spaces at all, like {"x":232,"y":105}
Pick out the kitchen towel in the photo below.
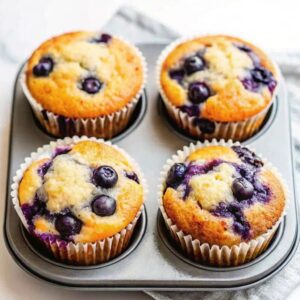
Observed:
{"x":141,"y":29}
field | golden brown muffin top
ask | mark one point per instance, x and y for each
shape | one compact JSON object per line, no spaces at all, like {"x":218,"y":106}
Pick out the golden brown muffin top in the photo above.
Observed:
{"x":223,"y":195}
{"x":84,"y":74}
{"x":219,"y":78}
{"x":83,"y":192}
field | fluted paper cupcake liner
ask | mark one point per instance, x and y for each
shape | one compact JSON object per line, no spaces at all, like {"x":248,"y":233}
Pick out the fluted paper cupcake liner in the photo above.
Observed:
{"x":105,"y":127}
{"x":236,"y":131}
{"x":216,"y":255}
{"x":71,"y":252}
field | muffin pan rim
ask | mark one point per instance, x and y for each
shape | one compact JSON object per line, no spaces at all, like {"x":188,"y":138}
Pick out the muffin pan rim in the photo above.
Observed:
{"x":157,"y":284}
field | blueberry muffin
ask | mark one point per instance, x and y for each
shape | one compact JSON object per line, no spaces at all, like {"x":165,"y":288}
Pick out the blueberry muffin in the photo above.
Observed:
{"x":217,"y":86}
{"x":223,"y":196}
{"x":84,"y":83}
{"x":80,"y":195}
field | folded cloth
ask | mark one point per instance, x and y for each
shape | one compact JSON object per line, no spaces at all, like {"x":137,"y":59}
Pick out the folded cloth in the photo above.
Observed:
{"x":141,"y":29}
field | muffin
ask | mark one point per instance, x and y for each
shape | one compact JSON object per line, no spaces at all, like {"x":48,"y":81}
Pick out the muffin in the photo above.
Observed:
{"x":80,"y":198}
{"x":216,"y":86}
{"x":221,"y":202}
{"x":84,"y":83}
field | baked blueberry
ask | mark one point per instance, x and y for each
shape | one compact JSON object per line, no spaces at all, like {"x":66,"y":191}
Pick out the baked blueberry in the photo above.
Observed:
{"x":262,"y":75}
{"x":248,"y":156}
{"x":103,"y":38}
{"x":133,"y":176}
{"x":192,"y":110}
{"x":198,"y":92}
{"x":176,"y":74}
{"x":44,"y":67}
{"x":105,"y":176}
{"x":250,"y":84}
{"x":91,"y":85}
{"x":205,"y":125}
{"x":242,"y":189}
{"x":44,"y":168}
{"x":193,"y":64}
{"x":176,"y":174}
{"x":67,"y":225}
{"x":104,"y":205}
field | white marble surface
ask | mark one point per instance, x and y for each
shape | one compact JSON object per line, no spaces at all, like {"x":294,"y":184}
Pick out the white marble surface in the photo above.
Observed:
{"x":273,"y":24}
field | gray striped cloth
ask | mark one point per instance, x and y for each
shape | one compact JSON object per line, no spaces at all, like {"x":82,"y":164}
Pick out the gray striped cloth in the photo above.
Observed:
{"x":141,"y":29}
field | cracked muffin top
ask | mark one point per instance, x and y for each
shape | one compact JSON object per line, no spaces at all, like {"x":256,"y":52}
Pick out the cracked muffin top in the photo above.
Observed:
{"x":223,"y":195}
{"x":82,"y":192}
{"x":84,"y":74}
{"x":219,"y":78}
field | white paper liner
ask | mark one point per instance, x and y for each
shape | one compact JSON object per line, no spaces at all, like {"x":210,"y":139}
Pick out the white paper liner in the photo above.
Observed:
{"x":236,"y":131}
{"x":104,"y":127}
{"x":70,"y":252}
{"x":220,"y":256}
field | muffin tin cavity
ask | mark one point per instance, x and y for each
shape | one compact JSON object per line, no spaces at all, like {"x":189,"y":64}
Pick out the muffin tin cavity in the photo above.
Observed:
{"x":188,"y":258}
{"x":46,"y":255}
{"x":208,"y":127}
{"x":66,"y":125}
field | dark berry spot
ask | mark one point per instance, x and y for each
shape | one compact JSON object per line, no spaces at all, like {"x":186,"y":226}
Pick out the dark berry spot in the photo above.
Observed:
{"x":44,"y":168}
{"x":104,"y":205}
{"x":176,"y":175}
{"x":61,"y":150}
{"x":105,"y":176}
{"x":242,"y":189}
{"x":192,"y":110}
{"x":205,"y":125}
{"x":198,"y":92}
{"x":272,"y":85}
{"x":262,"y":75}
{"x":44,"y":67}
{"x":248,"y":156}
{"x":67,"y":225}
{"x":133,"y":176}
{"x":103,"y":38}
{"x":176,"y":74}
{"x":193,"y":64}
{"x":250,"y":85}
{"x":243,"y":47}
{"x":91,"y":85}
{"x":234,"y":210}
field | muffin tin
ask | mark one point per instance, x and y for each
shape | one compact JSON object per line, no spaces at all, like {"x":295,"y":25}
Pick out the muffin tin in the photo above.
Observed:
{"x":152,"y":260}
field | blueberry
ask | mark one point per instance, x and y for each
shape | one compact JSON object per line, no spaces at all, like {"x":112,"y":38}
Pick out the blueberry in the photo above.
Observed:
{"x":205,"y":125}
{"x":44,"y":67}
{"x":242,"y":189}
{"x":104,"y":205}
{"x":261,"y":75}
{"x":243,"y":47}
{"x":193,"y":64}
{"x":176,"y":174}
{"x":192,"y":110}
{"x":103,"y":38}
{"x":248,"y":156}
{"x":67,"y":225}
{"x":133,"y":176}
{"x":43,"y":169}
{"x":105,"y":176}
{"x":198,"y":92}
{"x":176,"y":74}
{"x":272,"y":85}
{"x":250,"y":85}
{"x":91,"y":85}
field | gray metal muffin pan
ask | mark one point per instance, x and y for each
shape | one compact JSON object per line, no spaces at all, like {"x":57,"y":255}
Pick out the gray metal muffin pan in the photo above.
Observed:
{"x":152,"y":261}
